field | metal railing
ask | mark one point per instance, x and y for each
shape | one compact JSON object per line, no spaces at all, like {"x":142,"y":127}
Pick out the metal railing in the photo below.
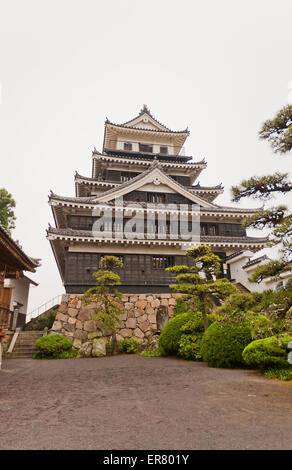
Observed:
{"x":44,"y":307}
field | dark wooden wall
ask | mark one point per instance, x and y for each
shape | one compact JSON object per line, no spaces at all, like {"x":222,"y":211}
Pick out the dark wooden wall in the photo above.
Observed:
{"x":80,"y":222}
{"x":140,"y":272}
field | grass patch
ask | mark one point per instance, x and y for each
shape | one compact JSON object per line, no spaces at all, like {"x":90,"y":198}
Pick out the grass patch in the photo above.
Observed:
{"x":284,"y":373}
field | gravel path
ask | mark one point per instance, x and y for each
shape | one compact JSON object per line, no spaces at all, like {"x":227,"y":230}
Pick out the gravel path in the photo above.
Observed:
{"x":134,"y":402}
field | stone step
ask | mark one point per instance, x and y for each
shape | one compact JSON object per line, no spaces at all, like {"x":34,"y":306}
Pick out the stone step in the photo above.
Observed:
{"x":21,"y":356}
{"x":21,"y":348}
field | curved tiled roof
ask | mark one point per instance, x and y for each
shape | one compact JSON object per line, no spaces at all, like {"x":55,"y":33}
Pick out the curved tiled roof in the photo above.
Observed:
{"x":145,"y":110}
{"x":204,"y":238}
{"x":28,"y":260}
{"x":92,"y":200}
{"x":255,"y":261}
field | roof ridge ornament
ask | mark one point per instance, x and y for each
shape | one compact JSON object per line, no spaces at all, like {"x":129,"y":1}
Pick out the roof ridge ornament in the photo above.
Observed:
{"x":145,"y":109}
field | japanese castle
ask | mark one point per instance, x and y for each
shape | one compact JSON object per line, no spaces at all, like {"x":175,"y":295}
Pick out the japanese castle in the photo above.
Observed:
{"x":142,"y":166}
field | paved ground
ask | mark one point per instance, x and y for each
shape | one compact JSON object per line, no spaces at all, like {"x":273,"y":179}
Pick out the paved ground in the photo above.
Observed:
{"x":133,"y":402}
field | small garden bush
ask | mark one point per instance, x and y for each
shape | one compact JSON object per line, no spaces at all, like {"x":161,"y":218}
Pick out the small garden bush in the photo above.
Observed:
{"x":171,"y":334}
{"x":267,"y":352}
{"x":54,"y":347}
{"x":129,"y":346}
{"x":222,"y":344}
{"x":191,"y":337}
{"x":151,"y":353}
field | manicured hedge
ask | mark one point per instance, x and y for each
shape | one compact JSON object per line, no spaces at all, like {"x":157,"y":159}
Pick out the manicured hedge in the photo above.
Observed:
{"x":54,"y":347}
{"x":267,"y":352}
{"x":222,"y":344}
{"x":171,"y":334}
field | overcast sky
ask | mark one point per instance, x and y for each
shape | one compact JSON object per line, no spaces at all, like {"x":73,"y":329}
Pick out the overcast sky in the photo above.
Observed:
{"x":219,"y":67}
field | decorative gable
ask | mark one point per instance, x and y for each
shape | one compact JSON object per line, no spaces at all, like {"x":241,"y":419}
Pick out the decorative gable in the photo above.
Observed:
{"x":152,"y":179}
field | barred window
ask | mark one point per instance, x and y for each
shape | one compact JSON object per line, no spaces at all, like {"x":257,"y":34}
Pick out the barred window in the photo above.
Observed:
{"x":128,"y":146}
{"x":148,"y":148}
{"x":162,"y":262}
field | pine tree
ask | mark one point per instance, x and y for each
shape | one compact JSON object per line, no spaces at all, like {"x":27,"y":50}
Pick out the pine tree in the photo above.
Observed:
{"x":200,"y":281}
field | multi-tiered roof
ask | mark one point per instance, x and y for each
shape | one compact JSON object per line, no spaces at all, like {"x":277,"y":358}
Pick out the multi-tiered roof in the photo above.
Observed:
{"x":141,"y":157}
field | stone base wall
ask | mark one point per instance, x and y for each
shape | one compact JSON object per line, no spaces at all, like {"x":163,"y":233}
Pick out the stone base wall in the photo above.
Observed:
{"x":144,"y":314}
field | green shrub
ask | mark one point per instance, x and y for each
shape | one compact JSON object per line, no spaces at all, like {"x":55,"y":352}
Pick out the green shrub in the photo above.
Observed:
{"x":267,"y":352}
{"x":222,"y":344}
{"x":151,"y":353}
{"x":171,"y":334}
{"x":54,"y":347}
{"x":190,"y":340}
{"x":129,"y":346}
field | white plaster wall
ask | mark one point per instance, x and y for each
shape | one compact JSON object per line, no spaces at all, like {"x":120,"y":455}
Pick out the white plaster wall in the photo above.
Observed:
{"x":20,"y":292}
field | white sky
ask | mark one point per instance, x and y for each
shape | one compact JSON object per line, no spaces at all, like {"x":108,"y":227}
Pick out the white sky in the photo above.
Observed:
{"x":221,"y":68}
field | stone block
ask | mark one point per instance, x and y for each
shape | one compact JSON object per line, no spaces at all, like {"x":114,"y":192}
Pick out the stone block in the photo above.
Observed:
{"x":86,"y":349}
{"x":142,"y":318}
{"x":149,"y":298}
{"x":63,"y":307}
{"x":142,"y":297}
{"x":90,"y":325}
{"x":79,"y":324}
{"x":57,"y":326}
{"x":73,"y":303}
{"x":128,"y":305}
{"x":155,"y":303}
{"x":68,"y":327}
{"x":126,"y":333}
{"x":99,"y":347}
{"x":170,"y":311}
{"x":68,"y":334}
{"x":138,"y":312}
{"x":72,"y":321}
{"x":164,"y":302}
{"x":165,"y":296}
{"x":61,"y":317}
{"x":131,"y":323}
{"x":86,"y":314}
{"x":144,"y":326}
{"x":149,"y":310}
{"x":133,"y":298}
{"x":77,"y":343}
{"x":141,"y":303}
{"x":152,"y":318}
{"x":138,"y":333}
{"x":172,"y":301}
{"x":95,"y":334}
{"x":131,"y":314}
{"x":72,"y":312}
{"x":80,"y":334}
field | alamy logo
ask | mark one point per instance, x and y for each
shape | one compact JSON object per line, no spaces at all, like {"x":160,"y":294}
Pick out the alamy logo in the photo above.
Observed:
{"x":147,"y":221}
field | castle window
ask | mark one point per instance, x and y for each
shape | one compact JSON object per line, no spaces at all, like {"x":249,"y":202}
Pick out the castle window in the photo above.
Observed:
{"x":156,"y":198}
{"x":162,"y":262}
{"x":148,"y":148}
{"x":128,"y":146}
{"x":164,"y":150}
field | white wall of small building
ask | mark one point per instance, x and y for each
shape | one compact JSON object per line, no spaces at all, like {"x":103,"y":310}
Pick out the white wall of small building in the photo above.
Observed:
{"x":240,"y":274}
{"x":20,"y":292}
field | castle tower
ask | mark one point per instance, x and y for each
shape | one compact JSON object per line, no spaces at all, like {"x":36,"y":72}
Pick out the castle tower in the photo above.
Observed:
{"x":142,"y":162}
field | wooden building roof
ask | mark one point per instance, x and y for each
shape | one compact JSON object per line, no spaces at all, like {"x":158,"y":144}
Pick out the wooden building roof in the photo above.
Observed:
{"x":13,"y":260}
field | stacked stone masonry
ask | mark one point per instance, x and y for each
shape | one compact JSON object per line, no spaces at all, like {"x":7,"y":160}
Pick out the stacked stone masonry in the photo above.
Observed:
{"x":76,"y":319}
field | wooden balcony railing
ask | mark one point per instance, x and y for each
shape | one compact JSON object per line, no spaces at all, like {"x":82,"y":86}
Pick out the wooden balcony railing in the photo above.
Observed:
{"x":4,"y":317}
